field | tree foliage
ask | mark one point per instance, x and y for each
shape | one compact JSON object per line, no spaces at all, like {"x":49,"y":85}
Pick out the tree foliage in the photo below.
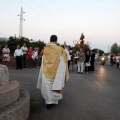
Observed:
{"x":13,"y":42}
{"x":96,"y":50}
{"x":115,"y":49}
{"x":2,"y":43}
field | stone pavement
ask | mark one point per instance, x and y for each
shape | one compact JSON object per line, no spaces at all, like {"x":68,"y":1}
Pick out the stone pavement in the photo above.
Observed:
{"x":93,"y":96}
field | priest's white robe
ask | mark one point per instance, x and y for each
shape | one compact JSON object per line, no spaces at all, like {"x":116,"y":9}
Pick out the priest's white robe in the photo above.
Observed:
{"x":48,"y":86}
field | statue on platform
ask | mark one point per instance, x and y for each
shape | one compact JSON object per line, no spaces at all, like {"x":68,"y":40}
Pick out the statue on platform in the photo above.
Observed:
{"x":80,"y":44}
{"x":81,"y":38}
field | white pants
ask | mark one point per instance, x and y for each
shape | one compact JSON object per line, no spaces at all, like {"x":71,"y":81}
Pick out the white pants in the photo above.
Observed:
{"x":80,"y":66}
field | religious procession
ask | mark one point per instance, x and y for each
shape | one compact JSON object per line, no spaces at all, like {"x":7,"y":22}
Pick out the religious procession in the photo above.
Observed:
{"x":55,"y":64}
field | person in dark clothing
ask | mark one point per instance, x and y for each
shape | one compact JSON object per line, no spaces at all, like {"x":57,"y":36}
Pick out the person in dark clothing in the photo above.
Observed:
{"x":0,"y":54}
{"x":87,"y":61}
{"x":92,"y":67}
{"x":18,"y":54}
{"x":39,"y":57}
{"x":72,"y":59}
{"x":111,"y":59}
{"x":24,"y":58}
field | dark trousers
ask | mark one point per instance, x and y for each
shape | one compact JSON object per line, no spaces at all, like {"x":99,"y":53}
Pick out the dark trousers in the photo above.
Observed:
{"x":35,"y":62}
{"x":0,"y":58}
{"x":68,"y":64}
{"x":24,"y":60}
{"x":30,"y":62}
{"x":92,"y":67}
{"x":117,"y":64}
{"x":87,"y":68}
{"x":18,"y":62}
{"x":111,"y":62}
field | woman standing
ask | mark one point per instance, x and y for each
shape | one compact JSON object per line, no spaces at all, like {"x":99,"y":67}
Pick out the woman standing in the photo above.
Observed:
{"x":114,"y":60}
{"x":30,"y":60}
{"x":35,"y":57}
{"x":6,"y":55}
{"x":87,"y":62}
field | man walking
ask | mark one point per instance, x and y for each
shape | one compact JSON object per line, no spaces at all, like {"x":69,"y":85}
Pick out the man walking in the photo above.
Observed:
{"x":53,"y":72}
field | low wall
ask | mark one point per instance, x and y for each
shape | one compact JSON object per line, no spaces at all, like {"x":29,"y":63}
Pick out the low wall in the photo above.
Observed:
{"x":11,"y":63}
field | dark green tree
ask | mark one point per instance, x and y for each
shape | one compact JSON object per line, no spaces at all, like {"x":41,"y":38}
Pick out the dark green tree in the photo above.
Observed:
{"x":2,"y":43}
{"x":14,"y":41}
{"x":101,"y":52}
{"x":115,"y":48}
{"x":119,"y":49}
{"x":96,"y":50}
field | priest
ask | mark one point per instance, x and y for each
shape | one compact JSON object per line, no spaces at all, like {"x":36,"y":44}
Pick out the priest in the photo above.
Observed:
{"x":53,"y":72}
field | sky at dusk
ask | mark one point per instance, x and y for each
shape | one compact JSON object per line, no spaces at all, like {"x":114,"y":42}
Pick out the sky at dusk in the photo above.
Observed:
{"x":99,"y":20}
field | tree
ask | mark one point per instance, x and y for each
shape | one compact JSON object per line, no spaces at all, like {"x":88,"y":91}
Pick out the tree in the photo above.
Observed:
{"x":96,"y":50}
{"x":101,"y":52}
{"x":14,"y":41}
{"x":2,"y":43}
{"x":115,"y":48}
{"x":119,"y":49}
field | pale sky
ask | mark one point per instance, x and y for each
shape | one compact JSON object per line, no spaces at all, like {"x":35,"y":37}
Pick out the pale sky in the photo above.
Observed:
{"x":99,"y":20}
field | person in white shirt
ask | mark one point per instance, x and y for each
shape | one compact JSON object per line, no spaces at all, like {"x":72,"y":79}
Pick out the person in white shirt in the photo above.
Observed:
{"x":68,"y":54}
{"x":18,"y":54}
{"x":35,"y":57}
{"x":118,"y":60}
{"x":24,"y":50}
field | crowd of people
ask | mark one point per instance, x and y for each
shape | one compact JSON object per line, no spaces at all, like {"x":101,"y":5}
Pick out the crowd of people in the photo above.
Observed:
{"x":84,"y":59}
{"x":115,"y":60}
{"x":29,"y":57}
{"x":25,"y":57}
{"x":54,"y":62}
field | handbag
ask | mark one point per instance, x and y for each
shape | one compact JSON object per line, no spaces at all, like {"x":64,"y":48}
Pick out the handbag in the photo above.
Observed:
{"x":5,"y":55}
{"x":33,"y":56}
{"x":87,"y":64}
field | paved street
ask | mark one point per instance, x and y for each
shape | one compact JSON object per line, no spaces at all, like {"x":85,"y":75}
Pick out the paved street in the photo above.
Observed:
{"x":93,"y":96}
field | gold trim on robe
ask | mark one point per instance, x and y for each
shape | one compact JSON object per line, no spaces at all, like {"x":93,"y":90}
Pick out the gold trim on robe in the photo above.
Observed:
{"x":51,"y":61}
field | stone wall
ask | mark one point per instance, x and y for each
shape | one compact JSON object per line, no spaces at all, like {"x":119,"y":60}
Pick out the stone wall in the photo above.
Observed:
{"x":10,"y":64}
{"x":14,"y":102}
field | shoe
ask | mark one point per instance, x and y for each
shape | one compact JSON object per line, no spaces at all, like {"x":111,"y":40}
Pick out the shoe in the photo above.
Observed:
{"x":49,"y":106}
{"x":78,"y":72}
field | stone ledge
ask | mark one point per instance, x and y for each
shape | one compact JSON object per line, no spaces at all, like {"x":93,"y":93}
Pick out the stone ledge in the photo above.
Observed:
{"x":4,"y":74}
{"x":18,"y":110}
{"x":9,"y":93}
{"x":4,"y":86}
